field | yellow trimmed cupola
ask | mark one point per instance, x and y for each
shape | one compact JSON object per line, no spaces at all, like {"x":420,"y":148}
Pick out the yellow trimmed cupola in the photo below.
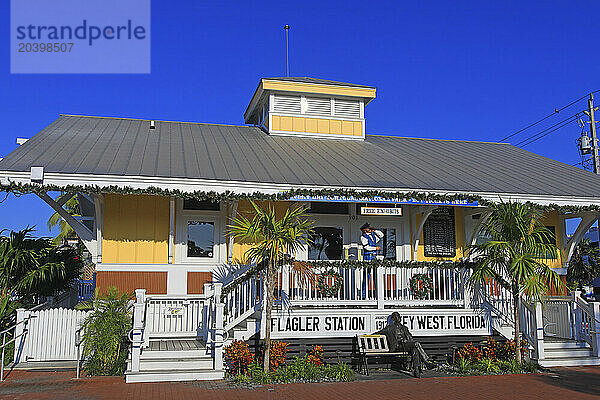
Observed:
{"x":310,"y":107}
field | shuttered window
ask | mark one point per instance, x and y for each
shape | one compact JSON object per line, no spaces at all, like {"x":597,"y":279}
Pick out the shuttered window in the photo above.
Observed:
{"x":439,"y":234}
{"x":318,"y":106}
{"x":347,"y":108}
{"x":287,"y":104}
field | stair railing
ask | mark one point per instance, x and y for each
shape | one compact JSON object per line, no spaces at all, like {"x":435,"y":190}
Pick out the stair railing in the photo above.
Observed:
{"x":587,"y":322}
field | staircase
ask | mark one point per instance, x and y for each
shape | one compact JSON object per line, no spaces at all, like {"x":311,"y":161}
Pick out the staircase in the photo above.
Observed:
{"x":567,"y":353}
{"x":564,"y":331}
{"x":173,"y":360}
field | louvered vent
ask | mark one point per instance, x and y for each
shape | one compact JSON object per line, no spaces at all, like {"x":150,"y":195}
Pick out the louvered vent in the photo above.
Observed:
{"x":318,"y":106}
{"x":347,"y":108}
{"x":287,"y":104}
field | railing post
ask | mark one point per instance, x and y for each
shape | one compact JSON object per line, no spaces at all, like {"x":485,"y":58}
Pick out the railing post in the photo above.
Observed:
{"x":218,"y":328}
{"x":576,"y":317}
{"x":538,"y":337}
{"x":380,"y":288}
{"x":20,"y":353}
{"x":595,"y":329}
{"x":137,"y":336}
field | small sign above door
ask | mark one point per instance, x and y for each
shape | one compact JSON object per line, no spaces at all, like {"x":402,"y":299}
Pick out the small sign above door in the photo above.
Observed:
{"x":381,"y":211}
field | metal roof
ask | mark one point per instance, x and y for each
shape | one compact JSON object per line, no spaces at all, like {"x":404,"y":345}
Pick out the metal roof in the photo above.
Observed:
{"x":306,"y":79}
{"x":127,"y":147}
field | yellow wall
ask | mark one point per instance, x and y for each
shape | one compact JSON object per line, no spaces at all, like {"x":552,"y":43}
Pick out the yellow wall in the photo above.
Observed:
{"x":136,"y":229}
{"x":245,"y":209}
{"x":316,"y":125}
{"x":551,"y":219}
{"x":460,"y":238}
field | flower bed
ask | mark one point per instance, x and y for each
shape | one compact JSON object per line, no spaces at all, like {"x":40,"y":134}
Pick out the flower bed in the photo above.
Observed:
{"x":308,"y":368}
{"x":491,"y":357}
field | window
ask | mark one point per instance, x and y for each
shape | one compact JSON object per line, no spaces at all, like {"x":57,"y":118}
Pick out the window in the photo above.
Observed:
{"x":388,"y":244}
{"x":439,"y":234}
{"x":200,"y":239}
{"x":327,"y":244}
{"x":205,"y":205}
{"x":319,"y":207}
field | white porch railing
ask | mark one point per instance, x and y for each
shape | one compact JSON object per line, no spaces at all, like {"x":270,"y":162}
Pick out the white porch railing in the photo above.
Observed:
{"x":375,"y":287}
{"x":163,"y":317}
{"x":242,"y":301}
{"x":175,"y":316}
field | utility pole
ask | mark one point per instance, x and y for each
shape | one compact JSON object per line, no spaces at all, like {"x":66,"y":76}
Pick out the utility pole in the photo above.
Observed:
{"x":590,"y":113}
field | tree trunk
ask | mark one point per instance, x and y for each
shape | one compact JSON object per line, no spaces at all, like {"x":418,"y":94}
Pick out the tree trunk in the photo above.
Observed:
{"x":517,"y":338}
{"x":270,"y":278}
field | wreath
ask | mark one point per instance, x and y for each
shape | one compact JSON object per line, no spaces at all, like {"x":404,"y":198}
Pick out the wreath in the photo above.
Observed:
{"x":329,"y":283}
{"x":420,"y":285}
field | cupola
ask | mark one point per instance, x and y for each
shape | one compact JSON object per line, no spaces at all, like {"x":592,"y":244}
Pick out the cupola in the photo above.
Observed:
{"x":310,"y":107}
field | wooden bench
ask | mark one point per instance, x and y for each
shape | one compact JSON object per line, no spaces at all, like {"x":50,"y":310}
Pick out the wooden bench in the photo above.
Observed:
{"x":377,"y":346}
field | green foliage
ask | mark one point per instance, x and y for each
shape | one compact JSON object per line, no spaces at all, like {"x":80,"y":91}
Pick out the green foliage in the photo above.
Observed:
{"x":584,"y":265}
{"x":21,"y":188}
{"x":488,"y":366}
{"x":301,"y":370}
{"x":272,"y":238}
{"x":464,"y":365}
{"x":32,"y":267}
{"x":72,"y":207}
{"x":510,"y":366}
{"x":105,"y":341}
{"x":514,"y":254}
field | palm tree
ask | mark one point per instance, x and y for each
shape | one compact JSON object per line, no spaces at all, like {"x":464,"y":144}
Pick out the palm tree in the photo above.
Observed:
{"x":514,"y":255}
{"x":72,"y":207}
{"x":584,"y":265}
{"x":273,"y":238}
{"x":33,"y":267}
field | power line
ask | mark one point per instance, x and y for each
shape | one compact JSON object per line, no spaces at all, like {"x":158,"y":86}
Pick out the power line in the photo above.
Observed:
{"x":556,"y":111}
{"x":547,"y":131}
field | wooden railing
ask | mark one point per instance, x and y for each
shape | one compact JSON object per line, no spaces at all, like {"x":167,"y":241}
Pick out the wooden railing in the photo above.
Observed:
{"x":374,"y":287}
{"x":242,"y":300}
{"x":175,"y":316}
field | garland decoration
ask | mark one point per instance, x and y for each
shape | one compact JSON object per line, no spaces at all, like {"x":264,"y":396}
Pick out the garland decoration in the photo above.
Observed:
{"x":416,"y":196}
{"x":323,"y":283}
{"x":255,"y":270}
{"x":420,"y":286}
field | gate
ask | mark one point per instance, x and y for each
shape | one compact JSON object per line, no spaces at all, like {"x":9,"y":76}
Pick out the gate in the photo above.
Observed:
{"x":557,"y":314}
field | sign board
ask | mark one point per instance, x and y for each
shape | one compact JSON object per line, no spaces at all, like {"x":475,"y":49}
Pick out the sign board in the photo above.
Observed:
{"x":381,"y":211}
{"x":377,"y":199}
{"x":329,"y":323}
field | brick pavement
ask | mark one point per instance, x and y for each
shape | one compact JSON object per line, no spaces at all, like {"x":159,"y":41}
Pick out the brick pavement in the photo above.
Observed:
{"x":562,"y":384}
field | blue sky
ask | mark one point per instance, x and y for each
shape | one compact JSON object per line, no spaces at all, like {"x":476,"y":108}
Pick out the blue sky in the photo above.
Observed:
{"x":462,"y":70}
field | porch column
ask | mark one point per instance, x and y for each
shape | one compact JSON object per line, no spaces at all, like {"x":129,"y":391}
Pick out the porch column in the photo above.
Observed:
{"x":218,"y":328}
{"x":137,"y":338}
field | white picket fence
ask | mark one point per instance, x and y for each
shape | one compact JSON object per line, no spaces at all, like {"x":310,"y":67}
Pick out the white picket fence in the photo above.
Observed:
{"x":50,"y":335}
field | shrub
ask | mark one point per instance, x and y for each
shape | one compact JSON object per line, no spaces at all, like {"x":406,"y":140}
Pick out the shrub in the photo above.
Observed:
{"x":105,"y":330}
{"x":238,"y":357}
{"x":278,"y":354}
{"x":339,"y":372}
{"x":315,"y":355}
{"x":510,"y":366}
{"x":488,"y":366}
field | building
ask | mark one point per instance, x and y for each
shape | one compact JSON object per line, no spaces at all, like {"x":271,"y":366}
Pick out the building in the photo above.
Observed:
{"x":157,"y":197}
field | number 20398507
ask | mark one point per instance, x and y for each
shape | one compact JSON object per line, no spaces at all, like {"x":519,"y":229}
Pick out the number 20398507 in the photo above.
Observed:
{"x":27,"y":47}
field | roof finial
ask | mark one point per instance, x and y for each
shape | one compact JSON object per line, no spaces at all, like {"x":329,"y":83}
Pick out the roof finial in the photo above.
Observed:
{"x":287,"y":50}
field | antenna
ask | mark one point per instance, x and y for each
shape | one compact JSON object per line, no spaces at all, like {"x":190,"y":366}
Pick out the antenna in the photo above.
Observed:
{"x":287,"y":50}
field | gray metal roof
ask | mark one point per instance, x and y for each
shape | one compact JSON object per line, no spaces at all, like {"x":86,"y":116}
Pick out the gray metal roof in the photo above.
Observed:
{"x":112,"y":146}
{"x":306,"y":79}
